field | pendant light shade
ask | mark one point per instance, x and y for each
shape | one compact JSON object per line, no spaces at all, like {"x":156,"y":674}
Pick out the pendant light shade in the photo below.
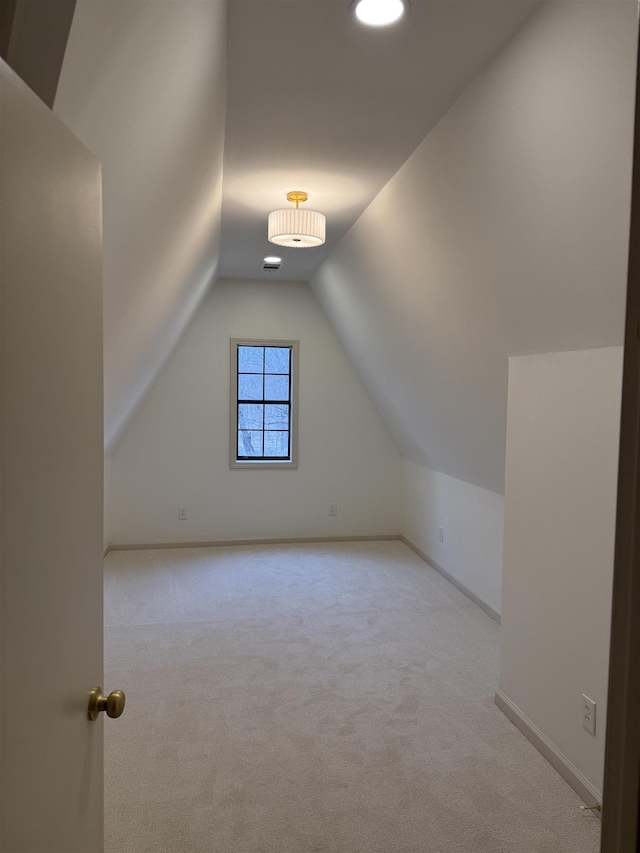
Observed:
{"x":295,"y":228}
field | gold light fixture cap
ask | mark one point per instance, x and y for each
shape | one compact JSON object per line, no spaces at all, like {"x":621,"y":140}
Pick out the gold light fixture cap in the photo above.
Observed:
{"x":297,"y":196}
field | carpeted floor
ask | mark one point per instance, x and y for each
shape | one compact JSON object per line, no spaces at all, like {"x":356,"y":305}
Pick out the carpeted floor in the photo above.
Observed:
{"x":333,"y":698}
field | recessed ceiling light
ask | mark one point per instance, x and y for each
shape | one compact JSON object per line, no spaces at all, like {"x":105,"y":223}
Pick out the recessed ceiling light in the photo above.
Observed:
{"x":379,"y":13}
{"x":272,"y":259}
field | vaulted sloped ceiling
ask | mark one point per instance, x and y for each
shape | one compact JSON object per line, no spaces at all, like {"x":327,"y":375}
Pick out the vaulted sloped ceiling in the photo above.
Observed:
{"x":505,"y":233}
{"x":316,"y":102}
{"x":143,"y":85}
{"x":321,"y":103}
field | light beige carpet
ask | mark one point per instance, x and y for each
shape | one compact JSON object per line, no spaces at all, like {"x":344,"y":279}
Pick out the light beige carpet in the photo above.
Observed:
{"x":315,"y":699}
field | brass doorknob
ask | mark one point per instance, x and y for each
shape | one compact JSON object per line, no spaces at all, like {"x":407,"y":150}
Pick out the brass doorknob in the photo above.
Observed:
{"x":113,"y":704}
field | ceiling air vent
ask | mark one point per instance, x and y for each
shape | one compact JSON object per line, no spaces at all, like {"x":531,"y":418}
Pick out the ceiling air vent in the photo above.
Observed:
{"x":271,"y":266}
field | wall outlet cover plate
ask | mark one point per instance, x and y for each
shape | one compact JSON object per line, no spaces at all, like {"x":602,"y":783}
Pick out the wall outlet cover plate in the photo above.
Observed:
{"x":589,"y":714}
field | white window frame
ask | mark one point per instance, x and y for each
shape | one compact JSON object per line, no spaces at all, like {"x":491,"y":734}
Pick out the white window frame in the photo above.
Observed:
{"x":281,"y":464}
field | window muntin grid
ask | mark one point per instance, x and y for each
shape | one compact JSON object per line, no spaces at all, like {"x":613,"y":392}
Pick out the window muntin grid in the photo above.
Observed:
{"x":264,"y":404}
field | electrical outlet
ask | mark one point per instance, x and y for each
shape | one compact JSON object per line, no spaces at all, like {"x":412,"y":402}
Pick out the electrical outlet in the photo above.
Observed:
{"x":589,"y":714}
{"x":441,"y":534}
{"x":182,"y":513}
{"x":333,"y":509}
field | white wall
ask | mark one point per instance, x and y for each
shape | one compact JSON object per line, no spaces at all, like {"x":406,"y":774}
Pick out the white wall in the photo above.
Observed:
{"x":505,"y":233}
{"x":176,"y":449}
{"x":561,"y":476}
{"x":144,"y":86}
{"x":472,"y":519}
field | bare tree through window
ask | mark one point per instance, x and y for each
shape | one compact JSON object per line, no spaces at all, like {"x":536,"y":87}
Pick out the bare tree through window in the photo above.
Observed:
{"x":264,"y":402}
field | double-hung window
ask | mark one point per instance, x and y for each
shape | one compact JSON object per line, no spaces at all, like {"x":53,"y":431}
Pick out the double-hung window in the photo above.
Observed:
{"x":264,"y":403}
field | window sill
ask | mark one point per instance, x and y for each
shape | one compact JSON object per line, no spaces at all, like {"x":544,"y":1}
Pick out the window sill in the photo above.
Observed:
{"x":287,"y":464}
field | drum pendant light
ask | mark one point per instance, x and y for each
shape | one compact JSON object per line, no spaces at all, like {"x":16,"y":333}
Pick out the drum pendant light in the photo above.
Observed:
{"x":295,"y":228}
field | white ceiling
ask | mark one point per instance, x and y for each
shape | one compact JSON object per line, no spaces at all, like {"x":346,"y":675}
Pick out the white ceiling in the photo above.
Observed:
{"x":319,"y":102}
{"x":314,"y":101}
{"x":516,"y":241}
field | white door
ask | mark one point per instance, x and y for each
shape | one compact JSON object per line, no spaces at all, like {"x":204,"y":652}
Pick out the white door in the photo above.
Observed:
{"x":51,"y":759}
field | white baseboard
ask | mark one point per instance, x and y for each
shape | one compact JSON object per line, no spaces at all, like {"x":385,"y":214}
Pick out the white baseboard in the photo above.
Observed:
{"x":459,"y":584}
{"x":583,"y":788}
{"x":218,"y":543}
